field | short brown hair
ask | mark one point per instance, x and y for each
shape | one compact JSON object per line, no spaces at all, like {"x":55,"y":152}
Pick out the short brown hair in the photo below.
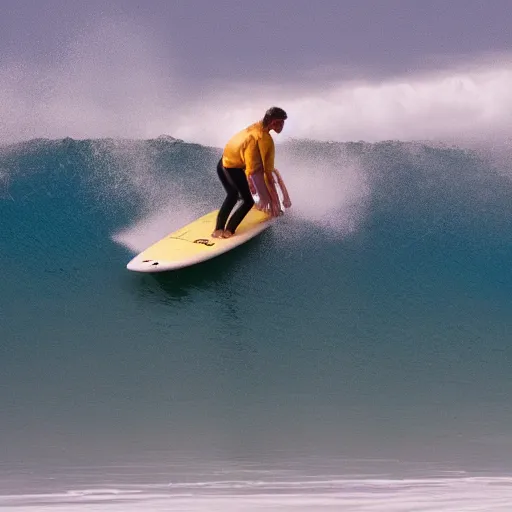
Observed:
{"x":274,"y":113}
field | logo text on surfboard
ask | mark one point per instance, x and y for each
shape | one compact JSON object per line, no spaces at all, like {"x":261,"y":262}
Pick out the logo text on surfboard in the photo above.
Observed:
{"x":204,"y":241}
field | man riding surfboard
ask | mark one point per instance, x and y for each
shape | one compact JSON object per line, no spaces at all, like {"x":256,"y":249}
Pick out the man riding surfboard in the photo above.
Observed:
{"x":248,"y":161}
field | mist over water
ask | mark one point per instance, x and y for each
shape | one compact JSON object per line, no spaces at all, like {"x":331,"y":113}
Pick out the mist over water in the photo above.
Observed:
{"x":329,"y":196}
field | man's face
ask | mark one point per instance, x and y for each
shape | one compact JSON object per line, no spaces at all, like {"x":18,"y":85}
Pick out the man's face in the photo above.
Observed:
{"x":277,"y":125}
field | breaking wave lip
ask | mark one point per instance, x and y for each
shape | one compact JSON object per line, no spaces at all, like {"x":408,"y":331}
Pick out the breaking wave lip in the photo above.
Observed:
{"x":436,"y":494}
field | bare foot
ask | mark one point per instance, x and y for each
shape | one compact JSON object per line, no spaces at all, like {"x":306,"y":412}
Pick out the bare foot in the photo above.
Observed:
{"x":227,"y":234}
{"x":218,"y":233}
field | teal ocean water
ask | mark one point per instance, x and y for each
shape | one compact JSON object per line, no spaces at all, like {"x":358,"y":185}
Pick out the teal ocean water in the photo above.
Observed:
{"x":355,"y":356}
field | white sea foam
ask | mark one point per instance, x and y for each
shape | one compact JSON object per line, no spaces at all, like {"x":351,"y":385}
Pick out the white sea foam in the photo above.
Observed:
{"x":467,"y":494}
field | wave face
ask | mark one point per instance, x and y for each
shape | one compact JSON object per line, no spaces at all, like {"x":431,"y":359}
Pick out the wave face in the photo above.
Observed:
{"x":372,"y":323}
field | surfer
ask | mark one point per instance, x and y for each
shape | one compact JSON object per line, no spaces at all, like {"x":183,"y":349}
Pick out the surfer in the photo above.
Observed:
{"x":247,"y":163}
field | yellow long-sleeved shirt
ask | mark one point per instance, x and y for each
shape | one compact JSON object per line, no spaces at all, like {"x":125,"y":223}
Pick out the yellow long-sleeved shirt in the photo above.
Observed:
{"x":251,"y":149}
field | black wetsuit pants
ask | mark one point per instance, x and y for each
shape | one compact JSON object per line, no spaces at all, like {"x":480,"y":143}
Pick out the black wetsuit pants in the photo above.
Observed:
{"x":236,"y":185}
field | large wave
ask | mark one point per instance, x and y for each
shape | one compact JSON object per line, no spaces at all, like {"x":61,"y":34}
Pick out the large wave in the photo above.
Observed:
{"x":140,"y":190}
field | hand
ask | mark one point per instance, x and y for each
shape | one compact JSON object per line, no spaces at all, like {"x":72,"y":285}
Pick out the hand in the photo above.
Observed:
{"x":275,"y":209}
{"x":263,"y":206}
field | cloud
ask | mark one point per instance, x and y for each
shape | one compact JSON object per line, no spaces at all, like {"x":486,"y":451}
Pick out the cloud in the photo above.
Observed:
{"x":114,"y":82}
{"x":458,"y":105}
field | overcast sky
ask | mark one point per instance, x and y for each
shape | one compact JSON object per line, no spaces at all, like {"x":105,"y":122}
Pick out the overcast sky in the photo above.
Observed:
{"x":166,"y":51}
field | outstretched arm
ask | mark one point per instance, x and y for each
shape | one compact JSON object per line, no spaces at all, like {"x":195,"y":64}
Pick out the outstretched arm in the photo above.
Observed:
{"x":286,"y":198}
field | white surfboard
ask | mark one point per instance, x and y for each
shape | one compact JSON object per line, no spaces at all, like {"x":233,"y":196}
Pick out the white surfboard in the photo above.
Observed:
{"x":194,"y":244}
